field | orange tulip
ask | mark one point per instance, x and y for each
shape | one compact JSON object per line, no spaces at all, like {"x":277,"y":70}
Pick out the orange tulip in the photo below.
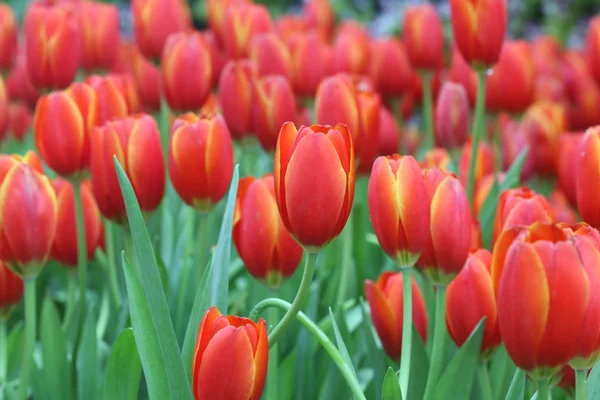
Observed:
{"x":438,"y":157}
{"x":389,"y":66}
{"x":186,"y":71}
{"x":267,"y":249}
{"x":569,"y":144}
{"x":588,"y":177}
{"x":484,"y":164}
{"x":136,"y":143}
{"x":270,"y":55}
{"x":99,"y":33}
{"x":320,"y":16}
{"x":452,"y":116}
{"x":351,"y":49}
{"x":242,"y":23}
{"x":8,"y":36}
{"x":311,"y":61}
{"x":386,"y":301}
{"x":389,"y":132}
{"x":593,"y":48}
{"x":236,"y":97}
{"x":12,"y":291}
{"x":51,"y":45}
{"x":274,"y":105}
{"x":478,"y":27}
{"x":19,"y":120}
{"x":423,"y":36}
{"x":314,"y":182}
{"x":110,"y":99}
{"x":229,"y":349}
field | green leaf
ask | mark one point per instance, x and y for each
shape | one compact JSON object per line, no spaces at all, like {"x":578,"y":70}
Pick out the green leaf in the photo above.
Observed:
{"x":56,"y":372}
{"x":15,"y":342}
{"x":391,"y":386}
{"x":501,"y":371}
{"x":593,"y":382}
{"x":457,"y":380}
{"x":87,"y":360}
{"x":150,"y":300}
{"x":375,"y":355}
{"x":340,"y":343}
{"x":516,"y":391}
{"x":419,"y":367}
{"x":124,"y":369}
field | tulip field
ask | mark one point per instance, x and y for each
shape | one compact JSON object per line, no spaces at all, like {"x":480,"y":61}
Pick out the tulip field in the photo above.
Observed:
{"x":312,"y":200}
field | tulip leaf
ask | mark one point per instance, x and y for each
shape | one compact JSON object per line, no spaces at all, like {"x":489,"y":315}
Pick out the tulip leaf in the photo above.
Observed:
{"x":150,"y":303}
{"x":56,"y":372}
{"x":124,"y":369}
{"x":516,"y":391}
{"x":391,"y":386}
{"x":419,"y":367}
{"x":87,"y":360}
{"x":375,"y":356}
{"x":593,"y":382}
{"x":502,"y":370}
{"x":16,"y":340}
{"x":457,"y":380}
{"x":340,"y":343}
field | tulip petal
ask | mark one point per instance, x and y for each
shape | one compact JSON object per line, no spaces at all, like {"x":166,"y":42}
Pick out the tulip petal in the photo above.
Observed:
{"x":384,"y":320}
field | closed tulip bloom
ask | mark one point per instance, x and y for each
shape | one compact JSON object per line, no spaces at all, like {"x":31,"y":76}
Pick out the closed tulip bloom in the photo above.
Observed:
{"x":452,"y":116}
{"x":147,"y":80}
{"x":236,"y":96}
{"x":521,"y":206}
{"x":229,"y":349}
{"x":11,"y":291}
{"x":274,"y":105}
{"x":386,"y":301}
{"x":242,"y":23}
{"x":478,"y":27}
{"x":593,"y":48}
{"x":461,"y":73}
{"x":268,"y":251}
{"x":389,"y":66}
{"x":314,"y":182}
{"x":186,"y":71}
{"x":351,"y":51}
{"x":136,"y":143}
{"x":485,"y":163}
{"x":311,"y":61}
{"x":469,"y":298}
{"x":423,"y":37}
{"x":19,"y":120}
{"x":200,"y":160}
{"x":215,"y":13}
{"x":51,"y":45}
{"x":18,"y":84}
{"x":569,"y":144}
{"x":541,"y":284}
{"x":270,"y":55}
{"x":64,"y":248}
{"x":399,"y":207}
{"x":320,"y":16}
{"x":389,"y":132}
{"x":588,"y":177}
{"x":110,"y":99}
{"x":155,"y":20}
{"x":99,"y":33}
{"x":8,"y":36}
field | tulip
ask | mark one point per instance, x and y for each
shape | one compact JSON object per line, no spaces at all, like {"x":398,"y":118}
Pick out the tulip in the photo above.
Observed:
{"x":287,"y":26}
{"x":218,"y":58}
{"x":229,"y":349}
{"x":19,"y":120}
{"x":470,"y":297}
{"x":311,"y":61}
{"x":460,"y":72}
{"x":155,"y":20}
{"x":186,"y":71}
{"x":147,"y":79}
{"x":351,"y":51}
{"x":99,"y":33}
{"x":200,"y":160}
{"x":4,"y":110}
{"x":64,"y":248}
{"x":8,"y":36}
{"x":389,"y":132}
{"x":110,"y":99}
{"x":561,"y":209}
{"x":485,"y":163}
{"x":62,"y":125}
{"x":267,"y":249}
{"x":569,"y":144}
{"x":389,"y":66}
{"x":386,"y":301}
{"x":242,"y":23}
{"x":215,"y":13}
{"x":423,"y":37}
{"x":12,"y":291}
{"x":314,"y":182}
{"x":135,"y":141}
{"x":542,"y":262}
{"x":438,"y":157}
{"x":581,"y":91}
{"x":514,"y":139}
{"x":320,"y":16}
{"x":274,"y":105}
{"x":270,"y":55}
{"x":236,"y":97}
{"x":588,"y":176}
{"x":478,"y":28}
{"x":51,"y":45}
{"x":18,"y":84}
{"x":451,"y":116}
{"x":593,"y":48}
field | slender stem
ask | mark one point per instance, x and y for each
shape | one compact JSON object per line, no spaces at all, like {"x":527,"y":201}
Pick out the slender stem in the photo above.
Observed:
{"x":309,"y":269}
{"x":71,"y":298}
{"x":543,"y":386}
{"x":203,"y":241}
{"x":186,"y":268}
{"x":498,"y":145}
{"x":406,"y":331}
{"x":163,"y":126}
{"x":3,"y":351}
{"x":112,"y":268}
{"x":30,"y":329}
{"x":439,"y":345}
{"x":81,"y":250}
{"x":346,"y":261}
{"x":428,"y":109}
{"x":580,"y":386}
{"x":484,"y":381}
{"x":272,"y":375}
{"x":320,"y":336}
{"x":477,"y":131}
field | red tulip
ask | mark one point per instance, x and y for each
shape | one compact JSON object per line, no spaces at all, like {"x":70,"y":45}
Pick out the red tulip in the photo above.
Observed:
{"x":561,"y":209}
{"x":485,"y":163}
{"x":452,"y":116}
{"x":270,"y":55}
{"x":351,"y":50}
{"x":588,"y":177}
{"x":99,"y":33}
{"x":514,"y":139}
{"x":19,"y":120}
{"x":147,"y":79}
{"x":311,"y":61}
{"x":18,"y":84}
{"x":423,"y":36}
{"x":582,"y":92}
{"x":389,"y":66}
{"x":569,"y":144}
{"x":218,"y":58}
{"x":215,"y":13}
{"x":236,"y":97}
{"x":110,"y":99}
{"x":438,"y":157}
{"x":320,"y":16}
{"x":460,"y":72}
{"x":12,"y":291}
{"x":593,"y":48}
{"x":4,"y":110}
{"x":242,"y":23}
{"x":8,"y":36}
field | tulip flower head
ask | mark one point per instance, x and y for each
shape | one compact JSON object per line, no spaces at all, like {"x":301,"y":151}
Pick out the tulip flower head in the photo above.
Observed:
{"x":423,"y":36}
{"x":452,"y":116}
{"x":569,"y":144}
{"x":8,"y":36}
{"x":270,"y":55}
{"x":236,"y":96}
{"x":241,"y":24}
{"x":587,"y":178}
{"x":593,"y":47}
{"x":389,"y":66}
{"x":99,"y":32}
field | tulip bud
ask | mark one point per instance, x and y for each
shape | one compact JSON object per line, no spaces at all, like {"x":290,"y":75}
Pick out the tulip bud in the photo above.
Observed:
{"x":469,"y":298}
{"x":320,"y":16}
{"x":423,"y":36}
{"x":389,"y":66}
{"x":452,"y":116}
{"x":588,"y":177}
{"x":569,"y":144}
{"x":51,"y":45}
{"x":310,"y":62}
{"x":461,"y":73}
{"x":99,"y":33}
{"x":485,"y":163}
{"x":389,"y":132}
{"x":593,"y":48}
{"x":64,"y":249}
{"x":230,"y":349}
{"x":236,"y":97}
{"x":351,"y":50}
{"x":12,"y":291}
{"x":136,"y":143}
{"x":274,"y":105}
{"x":270,"y":55}
{"x":267,"y":249}
{"x":582,"y":93}
{"x":8,"y":36}
{"x":155,"y":20}
{"x":386,"y":300}
{"x":110,"y":100}
{"x":242,"y":23}
{"x":438,"y":157}
{"x":186,"y":71}
{"x":314,"y":182}
{"x":19,"y":120}
{"x":478,"y":28}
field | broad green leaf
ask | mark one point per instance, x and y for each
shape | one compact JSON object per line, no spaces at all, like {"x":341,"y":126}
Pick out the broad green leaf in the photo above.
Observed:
{"x":87,"y":360}
{"x":56,"y":372}
{"x":419,"y":367}
{"x":340,"y":343}
{"x":593,"y":382}
{"x":457,"y":380}
{"x":502,"y":370}
{"x":516,"y":391}
{"x":151,"y":298}
{"x":124,"y":369}
{"x":39,"y":384}
{"x":391,"y":386}
{"x":15,"y":343}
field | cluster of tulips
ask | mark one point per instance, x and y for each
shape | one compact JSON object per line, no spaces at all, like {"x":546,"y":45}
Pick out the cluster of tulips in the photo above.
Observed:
{"x":513,"y":270}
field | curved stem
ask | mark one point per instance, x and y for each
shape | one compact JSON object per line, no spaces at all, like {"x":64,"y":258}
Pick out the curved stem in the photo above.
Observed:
{"x":30,"y":321}
{"x":111,"y":266}
{"x":272,"y":375}
{"x":3,"y":351}
{"x":543,"y":386}
{"x":477,"y":130}
{"x":580,"y":387}
{"x":320,"y":336}
{"x":428,"y":109}
{"x":406,"y":331}
{"x":439,"y":345}
{"x":484,"y":381}
{"x":71,"y":288}
{"x":81,"y":250}
{"x":309,"y":269}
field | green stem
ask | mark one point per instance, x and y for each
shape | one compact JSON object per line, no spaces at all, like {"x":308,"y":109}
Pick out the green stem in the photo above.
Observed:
{"x":498,"y":146}
{"x":327,"y":344}
{"x":543,"y":386}
{"x":439,"y":344}
{"x":203,"y":241}
{"x":477,"y":131}
{"x":406,"y":331}
{"x":484,"y":381}
{"x":112,"y":268}
{"x":272,"y":377}
{"x":71,"y":301}
{"x":428,"y":109}
{"x":164,"y":127}
{"x":346,"y":261}
{"x":30,"y":329}
{"x":303,"y":290}
{"x":81,"y":250}
{"x":3,"y":352}
{"x":186,"y":268}
{"x":580,"y":384}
